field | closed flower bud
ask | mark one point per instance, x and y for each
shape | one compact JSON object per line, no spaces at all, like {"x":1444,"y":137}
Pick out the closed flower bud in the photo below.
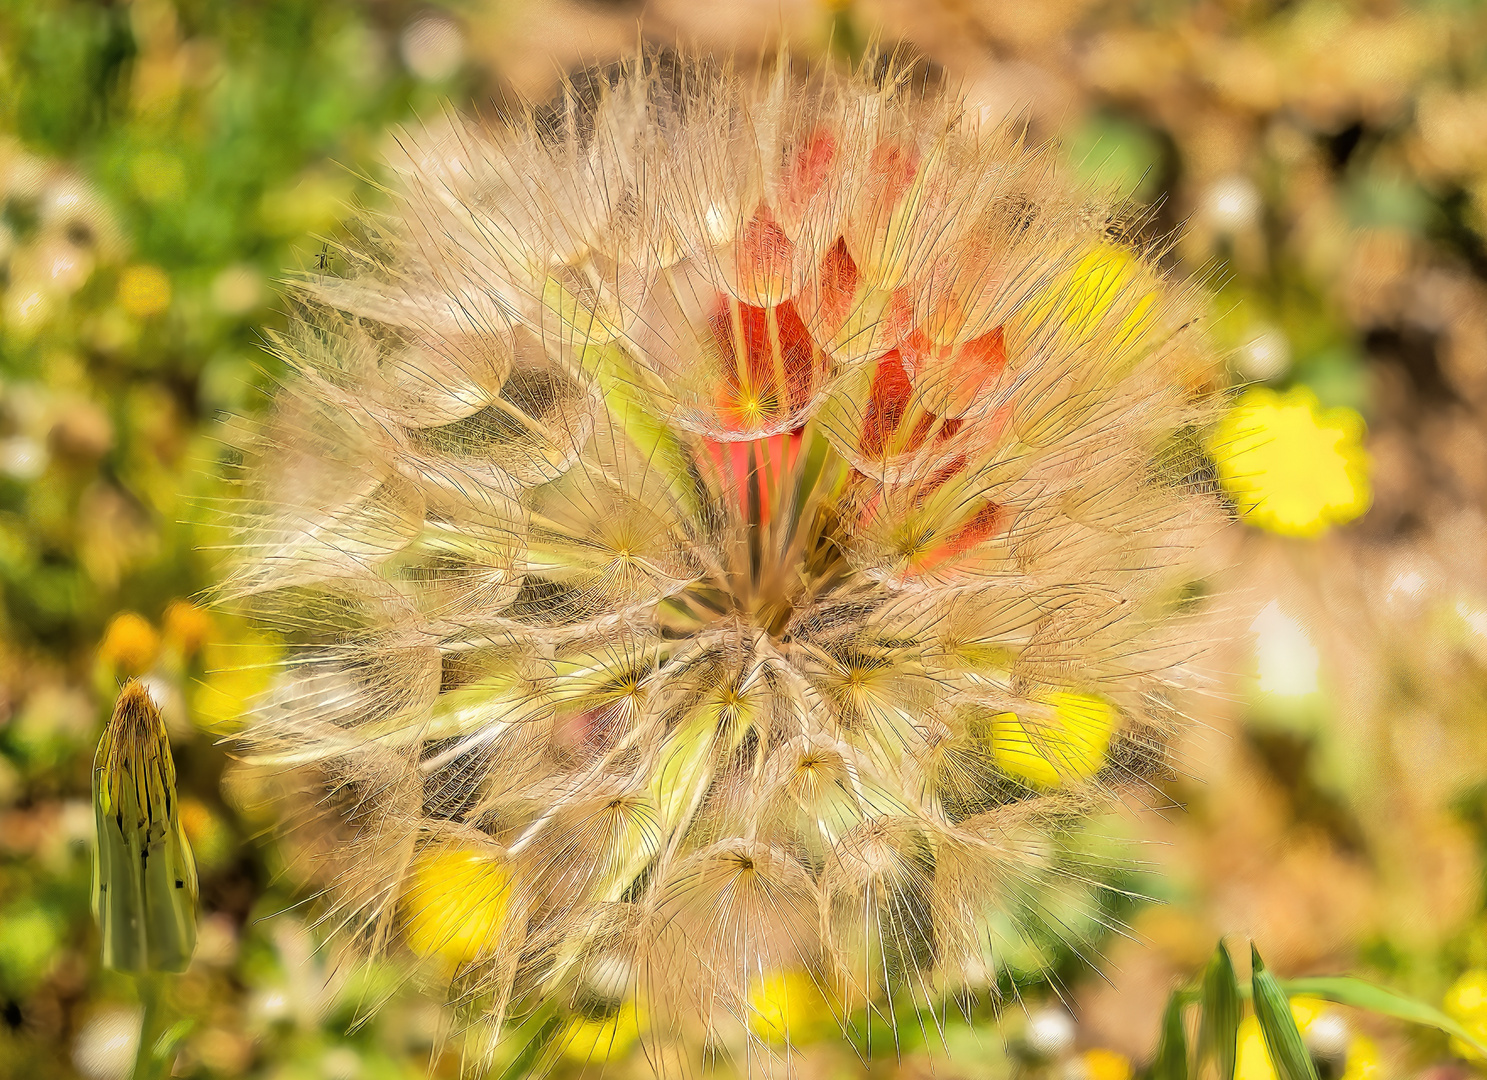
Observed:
{"x":725,"y":531}
{"x":144,"y":877}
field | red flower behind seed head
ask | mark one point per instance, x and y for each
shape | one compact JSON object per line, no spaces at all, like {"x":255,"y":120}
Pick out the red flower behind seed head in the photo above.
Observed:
{"x":809,"y":170}
{"x":764,"y":258}
{"x":770,"y":366}
{"x":920,"y":382}
{"x":767,"y":251}
{"x":893,"y":168}
{"x":754,"y":468}
{"x":957,"y":376}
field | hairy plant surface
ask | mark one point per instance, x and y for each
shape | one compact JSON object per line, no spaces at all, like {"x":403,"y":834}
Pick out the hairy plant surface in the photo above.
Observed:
{"x":722,"y":528}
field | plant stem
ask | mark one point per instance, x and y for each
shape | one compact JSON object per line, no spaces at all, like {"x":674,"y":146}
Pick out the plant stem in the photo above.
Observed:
{"x":148,"y":1064}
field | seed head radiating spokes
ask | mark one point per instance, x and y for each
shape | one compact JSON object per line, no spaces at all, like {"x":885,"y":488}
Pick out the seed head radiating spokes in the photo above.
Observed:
{"x":725,"y":529}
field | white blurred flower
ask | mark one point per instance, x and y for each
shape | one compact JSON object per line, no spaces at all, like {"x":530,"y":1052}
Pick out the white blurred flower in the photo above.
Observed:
{"x":433,"y":47}
{"x":1288,"y":661}
{"x":1474,"y":617}
{"x":104,"y":1049}
{"x":216,"y":941}
{"x":1266,"y":355}
{"x":1406,"y":586}
{"x":340,"y":1063}
{"x":1050,"y":1032}
{"x":22,"y":457}
{"x":270,"y":1005}
{"x":237,"y":289}
{"x":1327,"y":1036}
{"x":609,"y":977}
{"x":64,"y":265}
{"x":1232,"y":203}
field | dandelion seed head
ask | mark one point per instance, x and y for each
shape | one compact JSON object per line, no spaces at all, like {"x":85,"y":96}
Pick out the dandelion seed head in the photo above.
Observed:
{"x":725,"y":529}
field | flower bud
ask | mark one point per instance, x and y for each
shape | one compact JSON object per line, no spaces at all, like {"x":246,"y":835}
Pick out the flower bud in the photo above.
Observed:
{"x":144,"y":878}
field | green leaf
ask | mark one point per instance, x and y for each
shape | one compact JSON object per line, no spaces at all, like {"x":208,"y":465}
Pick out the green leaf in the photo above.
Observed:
{"x":630,"y":399}
{"x":1282,"y":1036}
{"x":1218,"y":1034}
{"x":1172,"y":1052}
{"x":1363,"y":995}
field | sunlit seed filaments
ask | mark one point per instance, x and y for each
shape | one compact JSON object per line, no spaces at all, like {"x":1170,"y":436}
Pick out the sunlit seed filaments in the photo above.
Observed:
{"x":725,"y":530}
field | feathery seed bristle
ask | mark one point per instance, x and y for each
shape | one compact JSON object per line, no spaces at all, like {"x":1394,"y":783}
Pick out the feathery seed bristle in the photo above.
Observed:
{"x":725,"y":529}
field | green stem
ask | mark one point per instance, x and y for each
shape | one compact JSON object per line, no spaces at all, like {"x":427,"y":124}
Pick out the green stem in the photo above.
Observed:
{"x":150,"y":1063}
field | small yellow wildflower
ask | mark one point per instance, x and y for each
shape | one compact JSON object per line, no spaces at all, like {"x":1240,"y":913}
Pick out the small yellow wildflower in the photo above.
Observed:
{"x":238,"y":663}
{"x":600,"y":1040}
{"x":211,"y":841}
{"x":787,"y":1006}
{"x":1307,"y":1010}
{"x":1466,"y":1002}
{"x":186,"y":626}
{"x":1292,"y":467}
{"x":144,"y":291}
{"x":1070,"y":745}
{"x":1254,"y":1059}
{"x":455,"y":905}
{"x":1102,"y":1064}
{"x":1363,"y":1059}
{"x":1106,"y":278}
{"x":130,"y":644}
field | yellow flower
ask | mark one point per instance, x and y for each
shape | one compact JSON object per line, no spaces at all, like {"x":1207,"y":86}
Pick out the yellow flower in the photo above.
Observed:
{"x":1467,"y":998}
{"x":787,"y":1006}
{"x":455,"y":903}
{"x":1254,"y":1059}
{"x":144,"y":291}
{"x":1107,"y":280}
{"x":1363,"y":1059}
{"x":239,"y":666}
{"x":601,"y":1040}
{"x":1292,"y":467}
{"x":129,"y":644}
{"x":211,"y":841}
{"x":187,"y":626}
{"x":1306,"y":1010}
{"x":1102,"y":1064}
{"x":1466,"y":1001}
{"x":1103,"y":279}
{"x":1071,"y":745}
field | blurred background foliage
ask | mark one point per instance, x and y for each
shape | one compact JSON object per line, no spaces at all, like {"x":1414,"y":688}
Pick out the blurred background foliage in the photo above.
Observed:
{"x":164,"y":162}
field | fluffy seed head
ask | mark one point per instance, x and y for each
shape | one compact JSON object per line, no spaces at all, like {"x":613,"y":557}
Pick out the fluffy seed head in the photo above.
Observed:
{"x":726,"y":530}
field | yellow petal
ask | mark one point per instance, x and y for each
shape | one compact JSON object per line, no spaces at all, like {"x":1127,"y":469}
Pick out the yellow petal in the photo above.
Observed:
{"x":1069,"y":745}
{"x":1292,"y":467}
{"x":601,"y":1040}
{"x":455,"y":904}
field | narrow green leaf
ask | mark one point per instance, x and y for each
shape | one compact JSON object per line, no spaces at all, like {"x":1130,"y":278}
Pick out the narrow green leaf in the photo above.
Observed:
{"x":1282,"y":1036}
{"x":1171,"y":1062}
{"x":630,"y":401}
{"x":1218,"y":1034}
{"x":1364,"y":995}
